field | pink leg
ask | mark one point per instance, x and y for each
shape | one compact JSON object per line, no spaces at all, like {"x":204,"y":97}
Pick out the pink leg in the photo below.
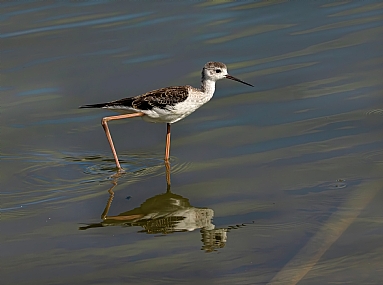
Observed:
{"x":109,"y":137}
{"x":167,"y":166}
{"x":167,"y":148}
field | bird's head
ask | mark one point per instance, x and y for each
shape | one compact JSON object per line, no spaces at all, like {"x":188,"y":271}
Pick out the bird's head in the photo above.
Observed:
{"x":217,"y":70}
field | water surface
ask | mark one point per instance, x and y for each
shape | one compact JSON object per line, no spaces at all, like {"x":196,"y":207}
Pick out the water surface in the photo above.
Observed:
{"x":277,"y":184}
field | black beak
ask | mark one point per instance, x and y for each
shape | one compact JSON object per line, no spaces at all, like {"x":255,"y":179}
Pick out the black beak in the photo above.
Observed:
{"x":236,"y":79}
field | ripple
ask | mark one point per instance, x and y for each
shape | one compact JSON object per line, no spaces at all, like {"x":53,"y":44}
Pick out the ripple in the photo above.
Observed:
{"x":325,"y":186}
{"x":66,"y":170}
{"x":181,"y":167}
{"x":374,"y":156}
{"x":375,"y":112}
{"x":304,"y":222}
{"x":339,"y":184}
{"x":134,"y":164}
{"x":53,"y":178}
{"x":102,"y":19}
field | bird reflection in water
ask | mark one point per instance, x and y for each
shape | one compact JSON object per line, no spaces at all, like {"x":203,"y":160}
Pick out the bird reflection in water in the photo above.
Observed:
{"x":164,"y":214}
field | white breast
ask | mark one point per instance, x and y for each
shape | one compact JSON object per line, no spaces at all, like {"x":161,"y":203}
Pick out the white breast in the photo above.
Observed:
{"x":179,"y":111}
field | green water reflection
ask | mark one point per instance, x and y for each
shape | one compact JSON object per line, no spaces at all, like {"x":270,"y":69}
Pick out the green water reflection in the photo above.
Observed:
{"x":165,"y":214}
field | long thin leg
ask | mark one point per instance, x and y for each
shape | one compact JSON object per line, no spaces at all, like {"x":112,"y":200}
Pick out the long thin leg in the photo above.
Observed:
{"x":167,"y":148}
{"x":167,"y":166}
{"x":109,"y":137}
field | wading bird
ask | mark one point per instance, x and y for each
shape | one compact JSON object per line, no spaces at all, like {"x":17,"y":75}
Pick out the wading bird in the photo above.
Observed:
{"x":166,"y":105}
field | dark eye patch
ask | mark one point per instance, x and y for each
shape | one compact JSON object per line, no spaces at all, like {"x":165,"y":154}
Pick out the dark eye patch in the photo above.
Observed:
{"x":218,"y":71}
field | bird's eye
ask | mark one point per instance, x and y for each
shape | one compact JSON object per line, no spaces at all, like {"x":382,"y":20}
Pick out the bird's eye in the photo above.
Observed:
{"x":218,"y":71}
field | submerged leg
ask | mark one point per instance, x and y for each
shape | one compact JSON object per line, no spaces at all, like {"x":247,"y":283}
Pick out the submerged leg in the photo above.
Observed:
{"x":167,"y":148}
{"x":109,"y":137}
{"x":167,"y":167}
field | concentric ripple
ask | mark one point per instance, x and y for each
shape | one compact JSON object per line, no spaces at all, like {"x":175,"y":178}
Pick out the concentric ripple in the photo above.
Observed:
{"x":49,"y":178}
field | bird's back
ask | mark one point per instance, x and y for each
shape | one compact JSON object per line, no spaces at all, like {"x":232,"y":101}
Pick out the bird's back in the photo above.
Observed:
{"x":169,"y":104}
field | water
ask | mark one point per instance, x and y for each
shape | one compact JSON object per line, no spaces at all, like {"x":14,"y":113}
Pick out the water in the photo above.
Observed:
{"x":277,"y":184}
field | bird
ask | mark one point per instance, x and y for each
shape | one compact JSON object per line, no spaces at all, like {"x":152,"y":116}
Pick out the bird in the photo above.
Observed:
{"x":165,"y":105}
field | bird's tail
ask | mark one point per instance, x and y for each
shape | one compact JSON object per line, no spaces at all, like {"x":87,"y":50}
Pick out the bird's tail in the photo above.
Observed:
{"x":100,"y":105}
{"x":118,"y":104}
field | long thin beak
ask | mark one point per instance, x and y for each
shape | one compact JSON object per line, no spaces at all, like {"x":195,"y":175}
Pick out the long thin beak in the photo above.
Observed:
{"x":236,"y":79}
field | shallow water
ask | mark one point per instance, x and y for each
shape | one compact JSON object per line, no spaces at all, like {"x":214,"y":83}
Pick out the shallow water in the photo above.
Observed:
{"x":277,"y":184}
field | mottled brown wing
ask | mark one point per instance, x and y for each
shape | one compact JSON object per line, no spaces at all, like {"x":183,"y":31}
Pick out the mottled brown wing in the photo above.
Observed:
{"x":161,"y":98}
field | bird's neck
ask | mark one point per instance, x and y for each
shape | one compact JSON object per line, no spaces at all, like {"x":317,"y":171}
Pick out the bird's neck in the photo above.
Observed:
{"x":207,"y":87}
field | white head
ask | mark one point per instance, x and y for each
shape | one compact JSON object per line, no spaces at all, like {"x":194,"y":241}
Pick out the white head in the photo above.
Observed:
{"x":217,"y":70}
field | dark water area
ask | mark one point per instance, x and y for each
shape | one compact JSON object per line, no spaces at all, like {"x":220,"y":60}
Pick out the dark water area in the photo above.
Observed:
{"x":276,"y":184}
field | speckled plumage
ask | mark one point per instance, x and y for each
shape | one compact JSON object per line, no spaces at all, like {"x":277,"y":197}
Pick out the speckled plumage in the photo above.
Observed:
{"x":165,"y":105}
{"x":171,"y":104}
{"x":160,"y":98}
